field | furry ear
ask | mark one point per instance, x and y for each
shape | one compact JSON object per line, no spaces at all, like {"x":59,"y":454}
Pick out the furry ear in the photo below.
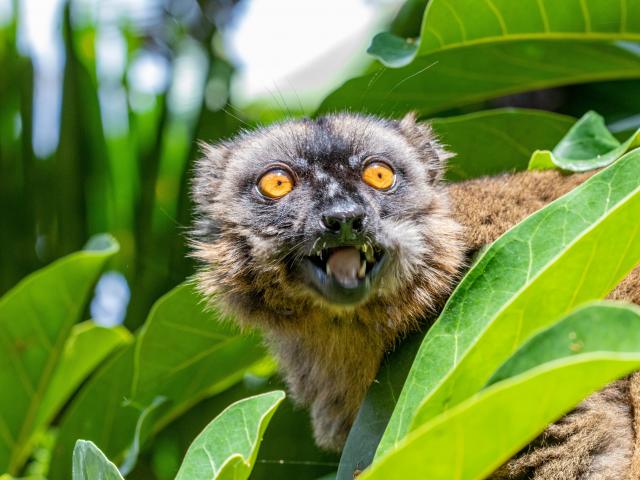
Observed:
{"x":422,"y":137}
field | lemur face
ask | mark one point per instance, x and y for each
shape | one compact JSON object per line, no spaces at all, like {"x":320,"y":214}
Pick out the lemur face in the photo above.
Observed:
{"x":333,"y":212}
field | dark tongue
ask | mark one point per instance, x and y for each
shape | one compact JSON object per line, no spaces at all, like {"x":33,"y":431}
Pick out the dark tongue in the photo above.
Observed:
{"x":344,"y":264}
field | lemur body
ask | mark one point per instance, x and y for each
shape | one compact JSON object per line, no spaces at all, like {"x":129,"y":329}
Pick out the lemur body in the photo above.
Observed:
{"x":336,"y":237}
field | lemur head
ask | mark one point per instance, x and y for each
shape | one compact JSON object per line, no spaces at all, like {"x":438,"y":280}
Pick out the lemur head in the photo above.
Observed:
{"x":344,"y":213}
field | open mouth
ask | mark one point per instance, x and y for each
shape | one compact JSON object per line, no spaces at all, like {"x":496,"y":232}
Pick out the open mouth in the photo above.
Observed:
{"x":344,"y":273}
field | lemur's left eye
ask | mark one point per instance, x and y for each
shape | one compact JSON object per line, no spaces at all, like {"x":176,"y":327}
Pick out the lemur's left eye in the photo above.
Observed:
{"x":379,"y":175}
{"x":275,"y":183}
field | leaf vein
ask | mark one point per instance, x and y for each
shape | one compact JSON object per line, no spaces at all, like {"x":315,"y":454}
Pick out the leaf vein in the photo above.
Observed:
{"x":6,"y":433}
{"x":585,"y":14}
{"x":496,"y":12}
{"x":196,"y":331}
{"x":14,"y":356}
{"x":456,"y":17}
{"x":543,"y":14}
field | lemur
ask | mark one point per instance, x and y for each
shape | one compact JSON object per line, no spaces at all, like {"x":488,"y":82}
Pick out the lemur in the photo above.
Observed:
{"x":338,"y":236}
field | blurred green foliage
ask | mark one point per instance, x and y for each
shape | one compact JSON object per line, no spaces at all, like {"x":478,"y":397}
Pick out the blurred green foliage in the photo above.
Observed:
{"x":132,"y":181}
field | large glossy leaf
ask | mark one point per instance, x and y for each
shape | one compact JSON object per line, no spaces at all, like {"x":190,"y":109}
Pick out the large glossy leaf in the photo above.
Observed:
{"x":36,"y":317}
{"x":87,"y":347}
{"x":450,"y":24}
{"x":101,"y":413}
{"x":472,"y":439}
{"x":574,"y":250}
{"x":598,"y":327}
{"x":228,"y":446}
{"x":183,"y":353}
{"x":591,"y":251}
{"x":408,"y":20}
{"x":496,"y":141}
{"x":89,"y":463}
{"x":186,"y":351}
{"x":452,"y":78}
{"x":288,"y":449}
{"x":587,"y":146}
{"x":143,"y":425}
{"x":473,"y":50}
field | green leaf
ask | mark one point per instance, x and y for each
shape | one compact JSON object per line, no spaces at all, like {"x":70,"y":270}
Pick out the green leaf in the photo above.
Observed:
{"x":288,"y":438}
{"x":464,"y":23}
{"x":100,"y":412}
{"x":496,"y":141}
{"x":453,"y":78}
{"x":186,"y":352}
{"x":146,"y":416}
{"x":478,"y":435}
{"x":228,"y":446}
{"x":87,"y":347}
{"x":574,"y":250}
{"x":183,"y":353}
{"x":467,"y":23}
{"x":587,"y":146}
{"x":597,"y":327}
{"x":408,"y":20}
{"x":89,"y":463}
{"x":391,"y":50}
{"x":542,"y":160}
{"x":474,"y":50}
{"x":36,"y":317}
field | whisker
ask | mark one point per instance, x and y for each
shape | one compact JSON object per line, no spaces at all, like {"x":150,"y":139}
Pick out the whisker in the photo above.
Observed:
{"x":410,"y":77}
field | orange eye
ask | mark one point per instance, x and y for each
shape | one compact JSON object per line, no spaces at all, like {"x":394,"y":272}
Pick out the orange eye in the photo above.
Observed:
{"x":379,"y":175}
{"x":275,"y":183}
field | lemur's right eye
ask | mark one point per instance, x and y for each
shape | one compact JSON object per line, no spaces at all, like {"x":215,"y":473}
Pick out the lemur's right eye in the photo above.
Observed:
{"x":379,"y":175}
{"x":275,"y":183}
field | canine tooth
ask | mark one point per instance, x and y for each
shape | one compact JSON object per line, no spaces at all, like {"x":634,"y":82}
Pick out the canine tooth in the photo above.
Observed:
{"x":328,"y":269}
{"x":363,"y":269}
{"x":370,"y":255}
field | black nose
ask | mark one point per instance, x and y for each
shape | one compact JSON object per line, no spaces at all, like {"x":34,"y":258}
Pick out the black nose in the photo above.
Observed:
{"x":343,"y":220}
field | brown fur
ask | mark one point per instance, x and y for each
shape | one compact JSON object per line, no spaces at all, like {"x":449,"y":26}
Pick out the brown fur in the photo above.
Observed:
{"x":634,"y":394}
{"x":489,"y":206}
{"x":597,"y":440}
{"x":330,"y":355}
